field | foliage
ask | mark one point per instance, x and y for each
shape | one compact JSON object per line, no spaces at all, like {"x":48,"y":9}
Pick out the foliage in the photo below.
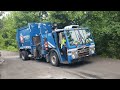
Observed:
{"x":104,"y":25}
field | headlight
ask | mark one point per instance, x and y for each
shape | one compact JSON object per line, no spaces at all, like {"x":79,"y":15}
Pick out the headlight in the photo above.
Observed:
{"x":74,"y":54}
{"x":92,"y":50}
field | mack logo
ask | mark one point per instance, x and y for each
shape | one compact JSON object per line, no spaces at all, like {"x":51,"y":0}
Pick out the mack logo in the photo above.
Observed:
{"x":84,"y":50}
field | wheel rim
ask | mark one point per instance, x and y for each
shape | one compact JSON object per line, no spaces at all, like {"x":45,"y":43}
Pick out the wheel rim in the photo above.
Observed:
{"x":23,"y":57}
{"x":53,"y":59}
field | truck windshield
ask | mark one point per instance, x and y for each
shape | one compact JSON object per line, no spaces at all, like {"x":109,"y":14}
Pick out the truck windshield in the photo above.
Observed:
{"x":81,"y":36}
{"x":86,"y":36}
{"x":73,"y":37}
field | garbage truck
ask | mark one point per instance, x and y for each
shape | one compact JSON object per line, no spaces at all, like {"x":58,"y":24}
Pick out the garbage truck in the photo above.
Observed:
{"x":44,"y":40}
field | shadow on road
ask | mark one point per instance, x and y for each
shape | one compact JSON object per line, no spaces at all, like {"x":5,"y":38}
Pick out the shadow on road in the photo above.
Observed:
{"x":74,"y":65}
{"x":77,"y":64}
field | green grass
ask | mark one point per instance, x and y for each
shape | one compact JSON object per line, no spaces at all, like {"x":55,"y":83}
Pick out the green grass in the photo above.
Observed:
{"x":10,"y":48}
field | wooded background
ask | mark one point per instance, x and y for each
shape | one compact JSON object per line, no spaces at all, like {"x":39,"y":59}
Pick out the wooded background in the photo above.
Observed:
{"x":104,"y":25}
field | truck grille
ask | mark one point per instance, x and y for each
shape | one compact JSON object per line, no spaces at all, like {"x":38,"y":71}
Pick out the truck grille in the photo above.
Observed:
{"x":82,"y":52}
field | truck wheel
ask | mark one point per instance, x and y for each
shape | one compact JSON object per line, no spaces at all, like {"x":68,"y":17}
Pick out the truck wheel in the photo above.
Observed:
{"x":47,"y":59}
{"x":24,"y":55}
{"x":54,"y":59}
{"x":20,"y":54}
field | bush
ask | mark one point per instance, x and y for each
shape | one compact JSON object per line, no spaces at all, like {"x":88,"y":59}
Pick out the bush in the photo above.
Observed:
{"x":11,"y":48}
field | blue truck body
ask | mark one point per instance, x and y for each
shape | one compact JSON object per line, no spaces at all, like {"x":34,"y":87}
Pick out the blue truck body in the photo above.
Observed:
{"x":43,"y":33}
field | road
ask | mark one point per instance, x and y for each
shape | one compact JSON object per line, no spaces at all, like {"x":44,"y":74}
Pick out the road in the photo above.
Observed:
{"x":94,"y":68}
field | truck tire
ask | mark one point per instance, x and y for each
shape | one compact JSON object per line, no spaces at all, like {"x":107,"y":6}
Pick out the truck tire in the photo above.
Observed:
{"x":54,"y":58}
{"x":24,"y":55}
{"x":20,"y":54}
{"x":47,"y":58}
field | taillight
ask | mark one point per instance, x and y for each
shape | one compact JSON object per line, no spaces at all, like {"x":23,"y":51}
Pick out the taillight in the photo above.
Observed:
{"x":46,"y":45}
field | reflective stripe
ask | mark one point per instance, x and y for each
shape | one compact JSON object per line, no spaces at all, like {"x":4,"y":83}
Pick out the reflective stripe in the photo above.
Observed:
{"x":51,"y":45}
{"x":72,"y":49}
{"x":69,"y":54}
{"x":92,"y":45}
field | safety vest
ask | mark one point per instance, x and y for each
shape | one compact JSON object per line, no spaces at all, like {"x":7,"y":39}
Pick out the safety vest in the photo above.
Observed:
{"x":63,"y":42}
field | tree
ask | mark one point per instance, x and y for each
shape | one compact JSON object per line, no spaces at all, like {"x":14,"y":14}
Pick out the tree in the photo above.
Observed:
{"x":106,"y":30}
{"x":1,"y":13}
{"x":64,"y":18}
{"x":12,"y":22}
{"x":104,"y":25}
{"x":1,"y":24}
